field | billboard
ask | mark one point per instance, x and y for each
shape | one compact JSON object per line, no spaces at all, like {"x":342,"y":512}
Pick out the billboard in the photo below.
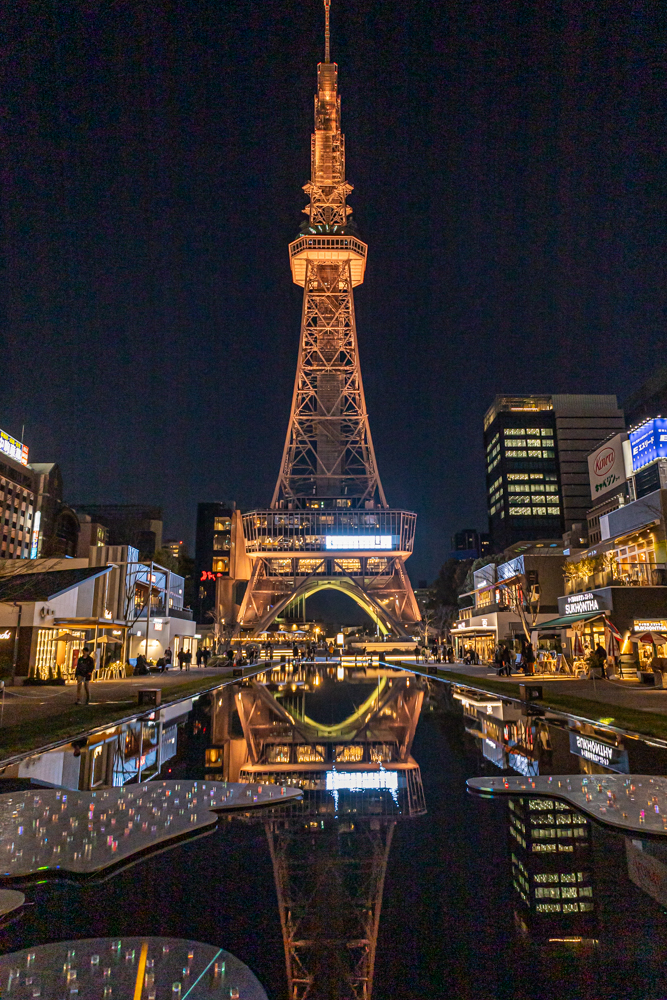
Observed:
{"x":606,"y":468}
{"x":13,"y":448}
{"x":648,"y":442}
{"x":351,"y":542}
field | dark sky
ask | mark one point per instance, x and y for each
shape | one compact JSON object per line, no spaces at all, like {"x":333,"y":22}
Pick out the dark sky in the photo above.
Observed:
{"x":509,"y":170}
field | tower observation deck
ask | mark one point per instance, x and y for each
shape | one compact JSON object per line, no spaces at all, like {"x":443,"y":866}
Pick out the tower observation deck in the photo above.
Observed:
{"x":329,"y":524}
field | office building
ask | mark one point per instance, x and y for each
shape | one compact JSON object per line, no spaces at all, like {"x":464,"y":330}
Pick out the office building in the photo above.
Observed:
{"x":17,"y":499}
{"x":175,"y":549}
{"x":470,"y":544}
{"x":222,"y":568}
{"x":128,"y":524}
{"x":537,"y":450}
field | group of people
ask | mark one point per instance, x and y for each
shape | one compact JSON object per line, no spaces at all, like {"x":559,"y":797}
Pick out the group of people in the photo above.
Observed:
{"x":438,"y":651}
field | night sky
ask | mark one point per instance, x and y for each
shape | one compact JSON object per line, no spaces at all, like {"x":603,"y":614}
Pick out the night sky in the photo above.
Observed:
{"x":509,"y":169}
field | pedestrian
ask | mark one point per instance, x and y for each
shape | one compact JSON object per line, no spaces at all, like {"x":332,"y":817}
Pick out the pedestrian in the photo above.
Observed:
{"x":601,"y":654}
{"x":507,"y":660}
{"x":168,"y":656}
{"x":188,"y":660}
{"x":450,"y":654}
{"x":141,"y":666}
{"x":200,"y":657}
{"x":181,"y":658}
{"x":205,"y":655}
{"x":85,"y":668}
{"x":529,"y":658}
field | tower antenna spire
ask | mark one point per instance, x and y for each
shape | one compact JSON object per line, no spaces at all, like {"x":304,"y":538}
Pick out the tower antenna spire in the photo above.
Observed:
{"x":327,"y":33}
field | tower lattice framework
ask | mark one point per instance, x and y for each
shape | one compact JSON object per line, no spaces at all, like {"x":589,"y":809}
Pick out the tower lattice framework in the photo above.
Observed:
{"x":328,"y":461}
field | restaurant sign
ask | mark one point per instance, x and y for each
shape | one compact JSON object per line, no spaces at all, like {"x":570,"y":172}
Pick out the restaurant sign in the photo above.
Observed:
{"x":581,"y":604}
{"x":649,"y":625}
{"x":598,"y":752}
{"x":606,"y":467}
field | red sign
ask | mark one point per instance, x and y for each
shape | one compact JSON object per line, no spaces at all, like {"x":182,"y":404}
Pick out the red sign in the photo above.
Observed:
{"x":604,"y":461}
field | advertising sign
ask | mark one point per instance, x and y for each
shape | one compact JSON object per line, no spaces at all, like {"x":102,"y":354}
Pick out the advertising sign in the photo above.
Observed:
{"x":13,"y":448}
{"x":606,"y":468}
{"x":648,"y":442}
{"x":598,"y":752}
{"x":350,"y":542}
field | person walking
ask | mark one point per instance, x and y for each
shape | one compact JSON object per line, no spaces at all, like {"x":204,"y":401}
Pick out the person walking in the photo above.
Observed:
{"x":601,"y":654}
{"x":168,"y":657}
{"x":200,"y":657}
{"x":529,"y":659}
{"x":85,"y":668}
{"x":205,"y":655}
{"x":507,"y":660}
{"x":181,"y":658}
{"x":188,"y":660}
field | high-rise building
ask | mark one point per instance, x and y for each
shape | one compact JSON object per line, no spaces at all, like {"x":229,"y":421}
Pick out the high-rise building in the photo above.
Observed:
{"x":537,"y":451}
{"x":17,"y":499}
{"x":221,"y":564}
{"x":329,"y":525}
{"x":129,"y":524}
{"x":469,"y":543}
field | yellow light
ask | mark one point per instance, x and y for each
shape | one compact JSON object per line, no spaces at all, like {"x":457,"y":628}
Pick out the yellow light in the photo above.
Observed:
{"x":340,"y":673}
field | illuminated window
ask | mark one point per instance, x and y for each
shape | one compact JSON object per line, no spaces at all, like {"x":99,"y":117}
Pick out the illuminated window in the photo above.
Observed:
{"x":520,"y":488}
{"x":539,"y":510}
{"x":519,"y":510}
{"x":585,"y":890}
{"x":308,"y":566}
{"x":520,"y":476}
{"x":548,"y":907}
{"x":551,"y":488}
{"x":278,"y":755}
{"x":544,"y":892}
{"x":222,"y":524}
{"x":546,"y":877}
{"x":519,"y":499}
{"x":349,"y":565}
{"x":349,"y":754}
{"x":309,"y":755}
{"x":585,"y":907}
{"x":511,"y":453}
{"x":569,"y":892}
{"x":375,"y":565}
{"x":547,"y":432}
{"x":544,"y":848}
{"x":221,"y":564}
{"x":381,"y":753}
{"x":515,"y":431}
{"x":221,"y":542}
{"x":565,"y":877}
{"x":570,"y":907}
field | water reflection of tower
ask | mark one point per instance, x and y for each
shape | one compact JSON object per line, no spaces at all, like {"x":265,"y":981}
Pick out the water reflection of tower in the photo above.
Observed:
{"x":330,"y":852}
{"x":552,"y":872}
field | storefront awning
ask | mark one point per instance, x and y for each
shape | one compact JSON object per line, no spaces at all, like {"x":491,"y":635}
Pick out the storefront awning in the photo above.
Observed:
{"x":567,"y":620}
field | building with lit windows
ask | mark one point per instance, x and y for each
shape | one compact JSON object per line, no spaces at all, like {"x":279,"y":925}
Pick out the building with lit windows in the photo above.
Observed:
{"x":221,"y":565}
{"x":537,"y":451}
{"x":17,"y":499}
{"x":551,"y":854}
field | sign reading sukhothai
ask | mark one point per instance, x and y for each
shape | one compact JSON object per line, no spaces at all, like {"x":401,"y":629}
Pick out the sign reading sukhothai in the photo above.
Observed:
{"x":606,"y":467}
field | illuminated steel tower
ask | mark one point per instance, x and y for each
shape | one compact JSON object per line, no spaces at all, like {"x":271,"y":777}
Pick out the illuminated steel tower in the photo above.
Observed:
{"x":329,"y":525}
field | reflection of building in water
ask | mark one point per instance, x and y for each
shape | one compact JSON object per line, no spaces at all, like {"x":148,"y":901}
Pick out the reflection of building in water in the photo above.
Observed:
{"x":330,"y":851}
{"x":508,"y":737}
{"x":551,"y":850}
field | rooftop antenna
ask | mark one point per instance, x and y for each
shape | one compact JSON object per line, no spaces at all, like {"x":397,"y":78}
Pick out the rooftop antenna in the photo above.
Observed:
{"x":327,"y":34}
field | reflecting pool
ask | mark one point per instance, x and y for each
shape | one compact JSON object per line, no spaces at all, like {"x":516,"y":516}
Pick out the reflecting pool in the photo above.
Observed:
{"x":387,"y":878}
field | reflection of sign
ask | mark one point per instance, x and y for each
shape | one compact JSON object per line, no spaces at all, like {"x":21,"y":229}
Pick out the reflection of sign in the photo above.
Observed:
{"x":647,"y":872}
{"x":579,"y":604}
{"x":13,"y":448}
{"x":599,"y":752}
{"x":358,"y":541}
{"x":645,"y":625}
{"x":648,"y":442}
{"x":606,"y":467}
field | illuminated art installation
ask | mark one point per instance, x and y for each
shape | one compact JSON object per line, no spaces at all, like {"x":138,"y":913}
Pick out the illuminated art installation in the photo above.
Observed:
{"x":630,"y":802}
{"x":150,"y":968}
{"x":83,"y":832}
{"x":329,"y":525}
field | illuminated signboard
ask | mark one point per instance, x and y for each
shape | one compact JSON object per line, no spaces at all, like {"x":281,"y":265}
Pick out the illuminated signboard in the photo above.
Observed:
{"x":359,"y":541}
{"x":650,"y":625}
{"x":599,"y":752}
{"x":13,"y":448}
{"x":648,"y":442}
{"x":606,"y":467}
{"x":34,"y":541}
{"x":579,"y":604}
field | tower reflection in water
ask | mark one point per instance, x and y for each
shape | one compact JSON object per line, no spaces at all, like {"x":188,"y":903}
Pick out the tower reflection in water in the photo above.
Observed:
{"x":347,"y":744}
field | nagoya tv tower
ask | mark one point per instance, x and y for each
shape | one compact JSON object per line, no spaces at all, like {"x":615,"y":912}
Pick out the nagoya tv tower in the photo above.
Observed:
{"x":329,"y":525}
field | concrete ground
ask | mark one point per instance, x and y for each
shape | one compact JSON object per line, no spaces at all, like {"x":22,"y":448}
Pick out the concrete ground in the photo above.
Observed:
{"x":21,"y":703}
{"x":625,"y":694}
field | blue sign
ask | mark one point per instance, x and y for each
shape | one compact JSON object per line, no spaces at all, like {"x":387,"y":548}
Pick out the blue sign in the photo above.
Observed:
{"x":648,"y":442}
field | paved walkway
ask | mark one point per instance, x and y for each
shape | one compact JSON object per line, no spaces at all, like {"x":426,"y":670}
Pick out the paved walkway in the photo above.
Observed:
{"x":625,"y":694}
{"x":21,"y":703}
